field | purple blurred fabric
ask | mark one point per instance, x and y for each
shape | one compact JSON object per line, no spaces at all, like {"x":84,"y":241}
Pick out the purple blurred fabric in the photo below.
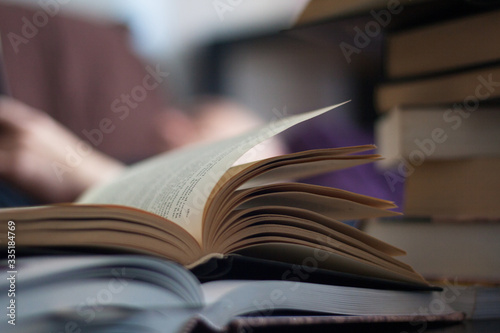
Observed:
{"x":339,"y":129}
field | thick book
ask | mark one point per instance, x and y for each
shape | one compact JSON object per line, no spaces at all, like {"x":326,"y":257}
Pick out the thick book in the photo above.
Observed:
{"x":389,"y":14}
{"x":464,"y":89}
{"x":464,"y":250}
{"x":136,"y":293}
{"x":443,"y":46}
{"x":329,"y":323}
{"x":321,"y":10}
{"x":192,"y":205}
{"x":418,"y":134}
{"x":454,"y":189}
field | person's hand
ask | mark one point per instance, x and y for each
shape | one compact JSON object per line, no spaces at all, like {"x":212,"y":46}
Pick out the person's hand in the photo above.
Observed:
{"x":41,"y":157}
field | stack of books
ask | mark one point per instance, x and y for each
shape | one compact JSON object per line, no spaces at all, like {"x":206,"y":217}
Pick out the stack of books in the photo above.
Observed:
{"x":440,"y":119}
{"x":440,"y":133}
{"x":437,"y":131}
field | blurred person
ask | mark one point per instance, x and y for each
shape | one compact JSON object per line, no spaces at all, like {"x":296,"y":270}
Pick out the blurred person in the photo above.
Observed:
{"x":83,"y":73}
{"x":102,"y":108}
{"x":45,"y":160}
{"x":32,"y":148}
{"x":91,"y":88}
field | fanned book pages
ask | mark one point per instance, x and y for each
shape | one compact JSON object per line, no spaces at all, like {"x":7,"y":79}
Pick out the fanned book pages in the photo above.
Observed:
{"x":192,"y":205}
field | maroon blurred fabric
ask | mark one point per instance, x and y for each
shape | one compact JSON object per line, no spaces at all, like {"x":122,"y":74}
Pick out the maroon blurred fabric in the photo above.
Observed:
{"x":74,"y":70}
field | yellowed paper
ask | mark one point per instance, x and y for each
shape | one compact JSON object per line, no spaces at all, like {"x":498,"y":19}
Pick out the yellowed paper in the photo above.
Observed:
{"x":176,"y":185}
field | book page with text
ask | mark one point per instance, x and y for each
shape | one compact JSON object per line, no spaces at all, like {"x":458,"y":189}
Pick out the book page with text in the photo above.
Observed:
{"x":176,"y":185}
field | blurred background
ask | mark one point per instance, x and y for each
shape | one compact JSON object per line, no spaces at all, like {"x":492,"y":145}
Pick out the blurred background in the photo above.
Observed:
{"x":224,"y":54}
{"x":233,"y":48}
{"x":186,"y":36}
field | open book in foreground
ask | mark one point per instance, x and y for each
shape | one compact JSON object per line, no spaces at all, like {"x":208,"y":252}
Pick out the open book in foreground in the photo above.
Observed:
{"x":193,"y":205}
{"x":127,"y":293}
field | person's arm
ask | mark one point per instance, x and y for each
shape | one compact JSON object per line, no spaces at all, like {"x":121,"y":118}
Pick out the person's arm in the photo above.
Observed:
{"x":42,"y":158}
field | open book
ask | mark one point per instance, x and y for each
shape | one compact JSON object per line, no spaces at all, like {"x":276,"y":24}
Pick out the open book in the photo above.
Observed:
{"x":192,"y":205}
{"x":144,"y":294}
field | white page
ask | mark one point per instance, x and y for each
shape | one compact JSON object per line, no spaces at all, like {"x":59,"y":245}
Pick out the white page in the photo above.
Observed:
{"x":176,"y":185}
{"x":226,"y":299}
